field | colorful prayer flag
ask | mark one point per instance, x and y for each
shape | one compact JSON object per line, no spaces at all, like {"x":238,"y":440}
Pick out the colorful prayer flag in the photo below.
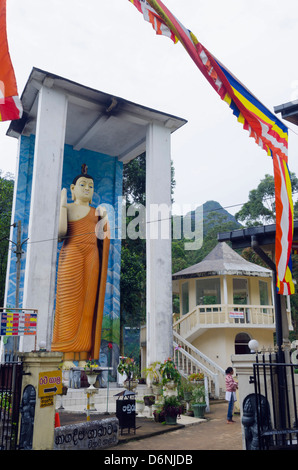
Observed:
{"x":267,"y":130}
{"x":10,"y":104}
{"x":17,"y":322}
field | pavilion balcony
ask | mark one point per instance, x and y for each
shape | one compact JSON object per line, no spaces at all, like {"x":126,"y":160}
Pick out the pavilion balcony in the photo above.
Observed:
{"x":203,"y":317}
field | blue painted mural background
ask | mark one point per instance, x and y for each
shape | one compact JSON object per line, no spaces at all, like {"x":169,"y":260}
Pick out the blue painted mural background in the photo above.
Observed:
{"x":107,"y":173}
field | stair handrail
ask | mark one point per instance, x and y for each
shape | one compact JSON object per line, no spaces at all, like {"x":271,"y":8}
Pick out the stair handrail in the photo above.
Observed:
{"x":208,"y":372}
{"x":195,"y":362}
{"x":214,"y":376}
{"x":199,"y":353}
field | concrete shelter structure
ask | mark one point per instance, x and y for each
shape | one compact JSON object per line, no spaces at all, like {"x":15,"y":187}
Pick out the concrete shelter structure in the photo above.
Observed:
{"x":225,"y":301}
{"x":262,"y":240}
{"x":65,"y":124}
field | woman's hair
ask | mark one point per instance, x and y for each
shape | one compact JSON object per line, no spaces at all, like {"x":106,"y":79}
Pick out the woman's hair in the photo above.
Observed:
{"x":229,"y":370}
{"x":84,"y":170}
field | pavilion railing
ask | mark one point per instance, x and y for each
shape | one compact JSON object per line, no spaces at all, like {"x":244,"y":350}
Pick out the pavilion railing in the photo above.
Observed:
{"x":221,"y":315}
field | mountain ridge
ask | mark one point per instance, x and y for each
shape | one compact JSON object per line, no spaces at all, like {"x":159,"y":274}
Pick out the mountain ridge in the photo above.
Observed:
{"x":212,"y":212}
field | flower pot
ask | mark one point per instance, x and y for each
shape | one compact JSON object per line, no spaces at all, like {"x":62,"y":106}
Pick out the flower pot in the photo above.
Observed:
{"x":170,"y":389}
{"x":149,"y":400}
{"x":171,"y":385}
{"x":91,"y":379}
{"x":199,"y":410}
{"x":187,"y":396}
{"x":130,"y":384}
{"x":171,"y":419}
{"x":159,"y":416}
{"x":140,"y":406}
{"x":157,"y":389}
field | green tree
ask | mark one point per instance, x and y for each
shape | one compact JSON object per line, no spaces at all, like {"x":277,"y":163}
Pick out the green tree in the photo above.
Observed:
{"x":260,"y":210}
{"x":6,"y":196}
{"x":179,"y":256}
{"x":260,"y":207}
{"x":133,"y":252}
{"x":133,"y":279}
{"x":134,"y":180}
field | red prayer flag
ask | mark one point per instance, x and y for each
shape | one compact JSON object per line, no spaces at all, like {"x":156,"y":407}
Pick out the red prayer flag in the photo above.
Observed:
{"x":10,"y":104}
{"x":266,"y":129}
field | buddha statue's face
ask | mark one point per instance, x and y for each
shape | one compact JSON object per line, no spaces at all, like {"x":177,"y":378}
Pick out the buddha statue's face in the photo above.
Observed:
{"x":83,"y":190}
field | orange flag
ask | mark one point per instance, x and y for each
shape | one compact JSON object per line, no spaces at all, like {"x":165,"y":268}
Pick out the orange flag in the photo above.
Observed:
{"x":10,"y":104}
{"x":267,"y":130}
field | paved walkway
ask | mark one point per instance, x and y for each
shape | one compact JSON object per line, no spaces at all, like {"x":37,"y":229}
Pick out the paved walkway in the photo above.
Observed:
{"x":211,"y":434}
{"x":189,"y":434}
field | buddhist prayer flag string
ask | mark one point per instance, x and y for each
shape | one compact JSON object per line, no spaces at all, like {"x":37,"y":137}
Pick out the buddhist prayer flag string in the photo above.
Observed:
{"x":18,"y":322}
{"x":266,"y":129}
{"x":10,"y":104}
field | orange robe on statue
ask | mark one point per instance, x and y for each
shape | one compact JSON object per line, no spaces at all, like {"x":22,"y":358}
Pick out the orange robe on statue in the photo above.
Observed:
{"x":79,"y":302}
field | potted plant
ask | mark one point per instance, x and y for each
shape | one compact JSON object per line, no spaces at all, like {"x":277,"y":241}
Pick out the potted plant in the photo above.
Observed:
{"x":91,"y":366}
{"x":92,"y":370}
{"x":149,"y":400}
{"x":159,"y":416}
{"x":198,"y":401}
{"x":152,"y":374}
{"x":128,"y":367}
{"x":196,"y":377}
{"x":169,"y":374}
{"x":140,"y":406}
{"x":171,"y":409}
{"x":185,"y":389}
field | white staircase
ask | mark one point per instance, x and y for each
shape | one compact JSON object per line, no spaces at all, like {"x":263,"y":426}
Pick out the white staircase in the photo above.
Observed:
{"x":190,"y":360}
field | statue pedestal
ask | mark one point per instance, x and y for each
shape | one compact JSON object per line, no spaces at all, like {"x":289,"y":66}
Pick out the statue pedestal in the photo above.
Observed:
{"x":36,"y":363}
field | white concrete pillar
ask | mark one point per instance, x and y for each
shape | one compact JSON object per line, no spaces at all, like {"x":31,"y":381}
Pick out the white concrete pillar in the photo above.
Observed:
{"x":39,"y":283}
{"x":243,"y":367}
{"x":225,"y":298}
{"x":158,"y":244}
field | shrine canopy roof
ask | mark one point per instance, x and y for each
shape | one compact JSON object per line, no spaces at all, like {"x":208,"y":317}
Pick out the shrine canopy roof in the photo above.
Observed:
{"x":96,"y":121}
{"x":220,"y":261}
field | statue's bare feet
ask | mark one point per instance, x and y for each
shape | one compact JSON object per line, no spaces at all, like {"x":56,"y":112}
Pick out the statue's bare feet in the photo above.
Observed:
{"x":67,"y":365}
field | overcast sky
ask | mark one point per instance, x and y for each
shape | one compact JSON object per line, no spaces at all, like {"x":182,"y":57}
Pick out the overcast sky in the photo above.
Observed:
{"x":107,"y":45}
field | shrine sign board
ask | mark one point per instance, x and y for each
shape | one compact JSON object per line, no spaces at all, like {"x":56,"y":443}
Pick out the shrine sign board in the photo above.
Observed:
{"x":236,"y":314}
{"x":50,"y":383}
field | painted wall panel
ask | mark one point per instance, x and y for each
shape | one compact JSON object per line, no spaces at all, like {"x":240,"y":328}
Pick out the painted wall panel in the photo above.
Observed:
{"x":107,"y":173}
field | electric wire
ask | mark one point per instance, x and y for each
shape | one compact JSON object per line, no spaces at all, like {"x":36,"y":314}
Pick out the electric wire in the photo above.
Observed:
{"x":117,"y":228}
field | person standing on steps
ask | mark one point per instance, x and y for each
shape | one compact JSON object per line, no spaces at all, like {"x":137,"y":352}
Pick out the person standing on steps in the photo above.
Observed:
{"x":231,"y":387}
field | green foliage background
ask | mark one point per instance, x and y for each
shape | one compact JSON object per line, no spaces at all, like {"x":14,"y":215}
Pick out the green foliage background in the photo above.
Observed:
{"x":258,"y":210}
{"x":6,"y":197}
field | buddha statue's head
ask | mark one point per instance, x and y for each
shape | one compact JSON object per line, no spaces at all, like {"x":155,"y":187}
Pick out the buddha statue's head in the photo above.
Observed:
{"x":82,"y":187}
